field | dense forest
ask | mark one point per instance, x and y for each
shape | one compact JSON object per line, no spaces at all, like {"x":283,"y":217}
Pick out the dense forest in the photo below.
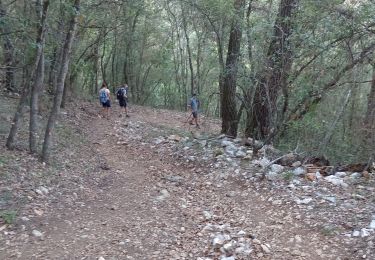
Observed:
{"x":299,"y":74}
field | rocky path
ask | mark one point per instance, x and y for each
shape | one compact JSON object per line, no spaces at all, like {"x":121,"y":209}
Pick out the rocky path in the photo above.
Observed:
{"x":143,"y":202}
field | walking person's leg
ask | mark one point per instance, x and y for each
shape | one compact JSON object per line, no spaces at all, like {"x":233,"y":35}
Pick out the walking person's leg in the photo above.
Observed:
{"x":196,"y":119}
{"x":108,"y":105}
{"x":126,"y":108}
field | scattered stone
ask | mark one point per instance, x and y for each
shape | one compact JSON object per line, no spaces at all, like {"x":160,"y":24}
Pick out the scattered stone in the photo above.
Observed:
{"x":175,"y":138}
{"x":300,"y":171}
{"x":25,"y":219}
{"x":227,"y":258}
{"x":174,"y":178}
{"x":244,"y":250}
{"x":158,"y":141}
{"x":288,"y":159}
{"x":207,"y":215}
{"x":264,"y":162}
{"x":37,"y":233}
{"x":272,"y":176}
{"x":296,"y":164}
{"x":340,"y":174}
{"x":356,"y":175}
{"x":304,"y":201}
{"x":231,"y":150}
{"x":219,"y":240}
{"x":164,"y":194}
{"x":228,"y":247}
{"x":277,"y":168}
{"x":44,"y":190}
{"x":38,"y":212}
{"x":330,"y":199}
{"x":240,"y":154}
{"x":372,"y":224}
{"x":266,"y":248}
{"x":225,"y":143}
{"x":336,"y":181}
{"x":311,"y":176}
{"x":365,"y":232}
{"x":356,"y":233}
{"x":241,"y":233}
{"x":39,"y":192}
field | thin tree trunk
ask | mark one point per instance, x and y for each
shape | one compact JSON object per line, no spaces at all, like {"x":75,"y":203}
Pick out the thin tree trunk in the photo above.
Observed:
{"x":60,"y":86}
{"x":338,"y":116}
{"x":56,"y":59}
{"x":370,"y":113}
{"x":184,"y":24}
{"x":19,"y":112}
{"x":39,"y":76}
{"x":249,"y":93}
{"x":229,"y":115}
{"x":68,"y":86}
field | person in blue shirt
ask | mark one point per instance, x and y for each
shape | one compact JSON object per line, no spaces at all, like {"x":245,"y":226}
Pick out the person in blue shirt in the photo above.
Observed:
{"x":194,"y":106}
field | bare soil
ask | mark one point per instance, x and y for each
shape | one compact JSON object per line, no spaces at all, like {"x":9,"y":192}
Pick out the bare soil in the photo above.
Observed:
{"x":114,"y":194}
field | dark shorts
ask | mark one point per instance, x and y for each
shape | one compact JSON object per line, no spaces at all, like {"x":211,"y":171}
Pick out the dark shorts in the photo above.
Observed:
{"x":122,"y":102}
{"x":195,"y":114}
{"x":107,"y":104}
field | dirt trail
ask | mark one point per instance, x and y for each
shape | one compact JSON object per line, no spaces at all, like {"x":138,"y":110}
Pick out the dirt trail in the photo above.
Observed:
{"x":129,"y":211}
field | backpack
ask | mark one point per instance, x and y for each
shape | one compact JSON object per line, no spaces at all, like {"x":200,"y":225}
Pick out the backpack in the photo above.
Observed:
{"x":103,"y":96}
{"x":120,"y":93}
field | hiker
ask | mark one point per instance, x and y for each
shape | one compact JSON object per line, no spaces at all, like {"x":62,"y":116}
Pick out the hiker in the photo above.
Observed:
{"x":194,"y":105}
{"x":105,"y":99}
{"x":122,"y":96}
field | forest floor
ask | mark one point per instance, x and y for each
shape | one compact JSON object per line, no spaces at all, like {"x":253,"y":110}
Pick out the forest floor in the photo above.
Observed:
{"x":151,"y":187}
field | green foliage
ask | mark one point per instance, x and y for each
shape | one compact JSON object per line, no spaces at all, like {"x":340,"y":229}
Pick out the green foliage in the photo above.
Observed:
{"x":8,"y":216}
{"x":144,"y":44}
{"x":287,"y":176}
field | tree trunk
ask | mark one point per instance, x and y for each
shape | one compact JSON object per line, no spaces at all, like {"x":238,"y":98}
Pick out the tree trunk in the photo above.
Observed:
{"x":60,"y":85}
{"x":229,"y":109}
{"x":8,"y":50}
{"x":370,"y":114}
{"x":274,"y":76}
{"x":184,"y":24}
{"x":19,"y":112}
{"x":69,"y":79}
{"x":56,"y":59}
{"x":39,"y":76}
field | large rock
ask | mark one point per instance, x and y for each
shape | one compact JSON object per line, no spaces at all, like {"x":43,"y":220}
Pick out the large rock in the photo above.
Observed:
{"x":225,"y":143}
{"x":272,"y":176}
{"x":220,"y":239}
{"x":277,"y":168}
{"x":262,"y":162}
{"x":336,"y":181}
{"x":231,"y":150}
{"x":300,"y":171}
{"x":240,"y":154}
